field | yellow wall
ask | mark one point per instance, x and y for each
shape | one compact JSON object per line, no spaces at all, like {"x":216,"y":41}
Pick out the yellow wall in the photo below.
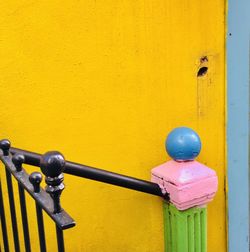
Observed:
{"x":104,"y":82}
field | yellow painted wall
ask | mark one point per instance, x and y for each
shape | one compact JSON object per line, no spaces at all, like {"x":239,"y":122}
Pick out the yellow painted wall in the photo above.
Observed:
{"x":104,"y":82}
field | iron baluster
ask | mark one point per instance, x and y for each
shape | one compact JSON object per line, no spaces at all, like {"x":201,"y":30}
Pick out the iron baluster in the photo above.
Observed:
{"x":5,"y":146}
{"x":18,"y":160}
{"x":35,"y":179}
{"x":3,"y":221}
{"x":60,"y":239}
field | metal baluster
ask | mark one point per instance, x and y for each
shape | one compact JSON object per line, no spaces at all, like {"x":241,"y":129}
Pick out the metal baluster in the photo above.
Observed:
{"x":35,"y":179}
{"x":42,"y":241}
{"x":5,"y":146}
{"x":52,"y":165}
{"x":60,"y":239}
{"x":13,"y":211}
{"x":3,"y":221}
{"x":18,"y":160}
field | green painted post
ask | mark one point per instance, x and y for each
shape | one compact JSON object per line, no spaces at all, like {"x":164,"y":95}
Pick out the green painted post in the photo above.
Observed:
{"x":185,"y":230}
{"x":190,"y":185}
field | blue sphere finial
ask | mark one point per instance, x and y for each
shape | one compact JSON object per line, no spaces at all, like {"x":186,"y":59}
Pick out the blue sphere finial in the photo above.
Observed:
{"x":183,"y":144}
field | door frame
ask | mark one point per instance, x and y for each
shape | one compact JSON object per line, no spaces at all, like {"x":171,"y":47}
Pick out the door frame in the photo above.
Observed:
{"x":238,"y":124}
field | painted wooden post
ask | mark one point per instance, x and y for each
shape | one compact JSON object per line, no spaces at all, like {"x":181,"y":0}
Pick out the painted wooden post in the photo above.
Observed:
{"x":191,"y":185}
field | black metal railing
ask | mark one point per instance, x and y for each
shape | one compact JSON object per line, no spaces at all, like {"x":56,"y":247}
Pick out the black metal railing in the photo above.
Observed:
{"x":52,"y":165}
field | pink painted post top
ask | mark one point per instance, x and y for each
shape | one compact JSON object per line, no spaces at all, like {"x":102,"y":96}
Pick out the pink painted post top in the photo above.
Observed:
{"x":188,"y":183}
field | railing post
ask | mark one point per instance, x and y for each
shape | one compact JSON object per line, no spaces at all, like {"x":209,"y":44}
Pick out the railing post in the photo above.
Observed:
{"x":52,"y":165}
{"x":191,"y":185}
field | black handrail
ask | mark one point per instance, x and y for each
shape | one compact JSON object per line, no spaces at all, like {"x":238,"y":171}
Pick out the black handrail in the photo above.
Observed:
{"x":88,"y":172}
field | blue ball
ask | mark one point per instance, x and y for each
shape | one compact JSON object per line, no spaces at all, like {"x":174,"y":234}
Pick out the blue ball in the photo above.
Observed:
{"x":183,"y":144}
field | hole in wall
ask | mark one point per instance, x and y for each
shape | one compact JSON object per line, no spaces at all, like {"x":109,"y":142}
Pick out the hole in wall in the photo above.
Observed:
{"x":202,"y":71}
{"x":203,"y":59}
{"x":203,"y":66}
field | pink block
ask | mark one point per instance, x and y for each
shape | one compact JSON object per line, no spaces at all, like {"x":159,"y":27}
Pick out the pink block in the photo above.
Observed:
{"x":188,"y":183}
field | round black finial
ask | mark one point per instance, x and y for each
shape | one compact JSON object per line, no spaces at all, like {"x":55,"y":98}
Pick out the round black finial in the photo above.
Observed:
{"x":18,"y":160}
{"x":5,"y":146}
{"x":35,"y":179}
{"x":52,"y":164}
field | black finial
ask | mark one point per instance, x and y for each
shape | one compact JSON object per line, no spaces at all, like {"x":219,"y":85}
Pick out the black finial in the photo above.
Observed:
{"x":35,"y":179}
{"x":5,"y":146}
{"x":52,"y":165}
{"x":18,"y":160}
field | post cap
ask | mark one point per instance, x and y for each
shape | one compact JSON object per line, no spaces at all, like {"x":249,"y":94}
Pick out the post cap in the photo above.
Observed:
{"x":188,"y":182}
{"x":183,"y":144}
